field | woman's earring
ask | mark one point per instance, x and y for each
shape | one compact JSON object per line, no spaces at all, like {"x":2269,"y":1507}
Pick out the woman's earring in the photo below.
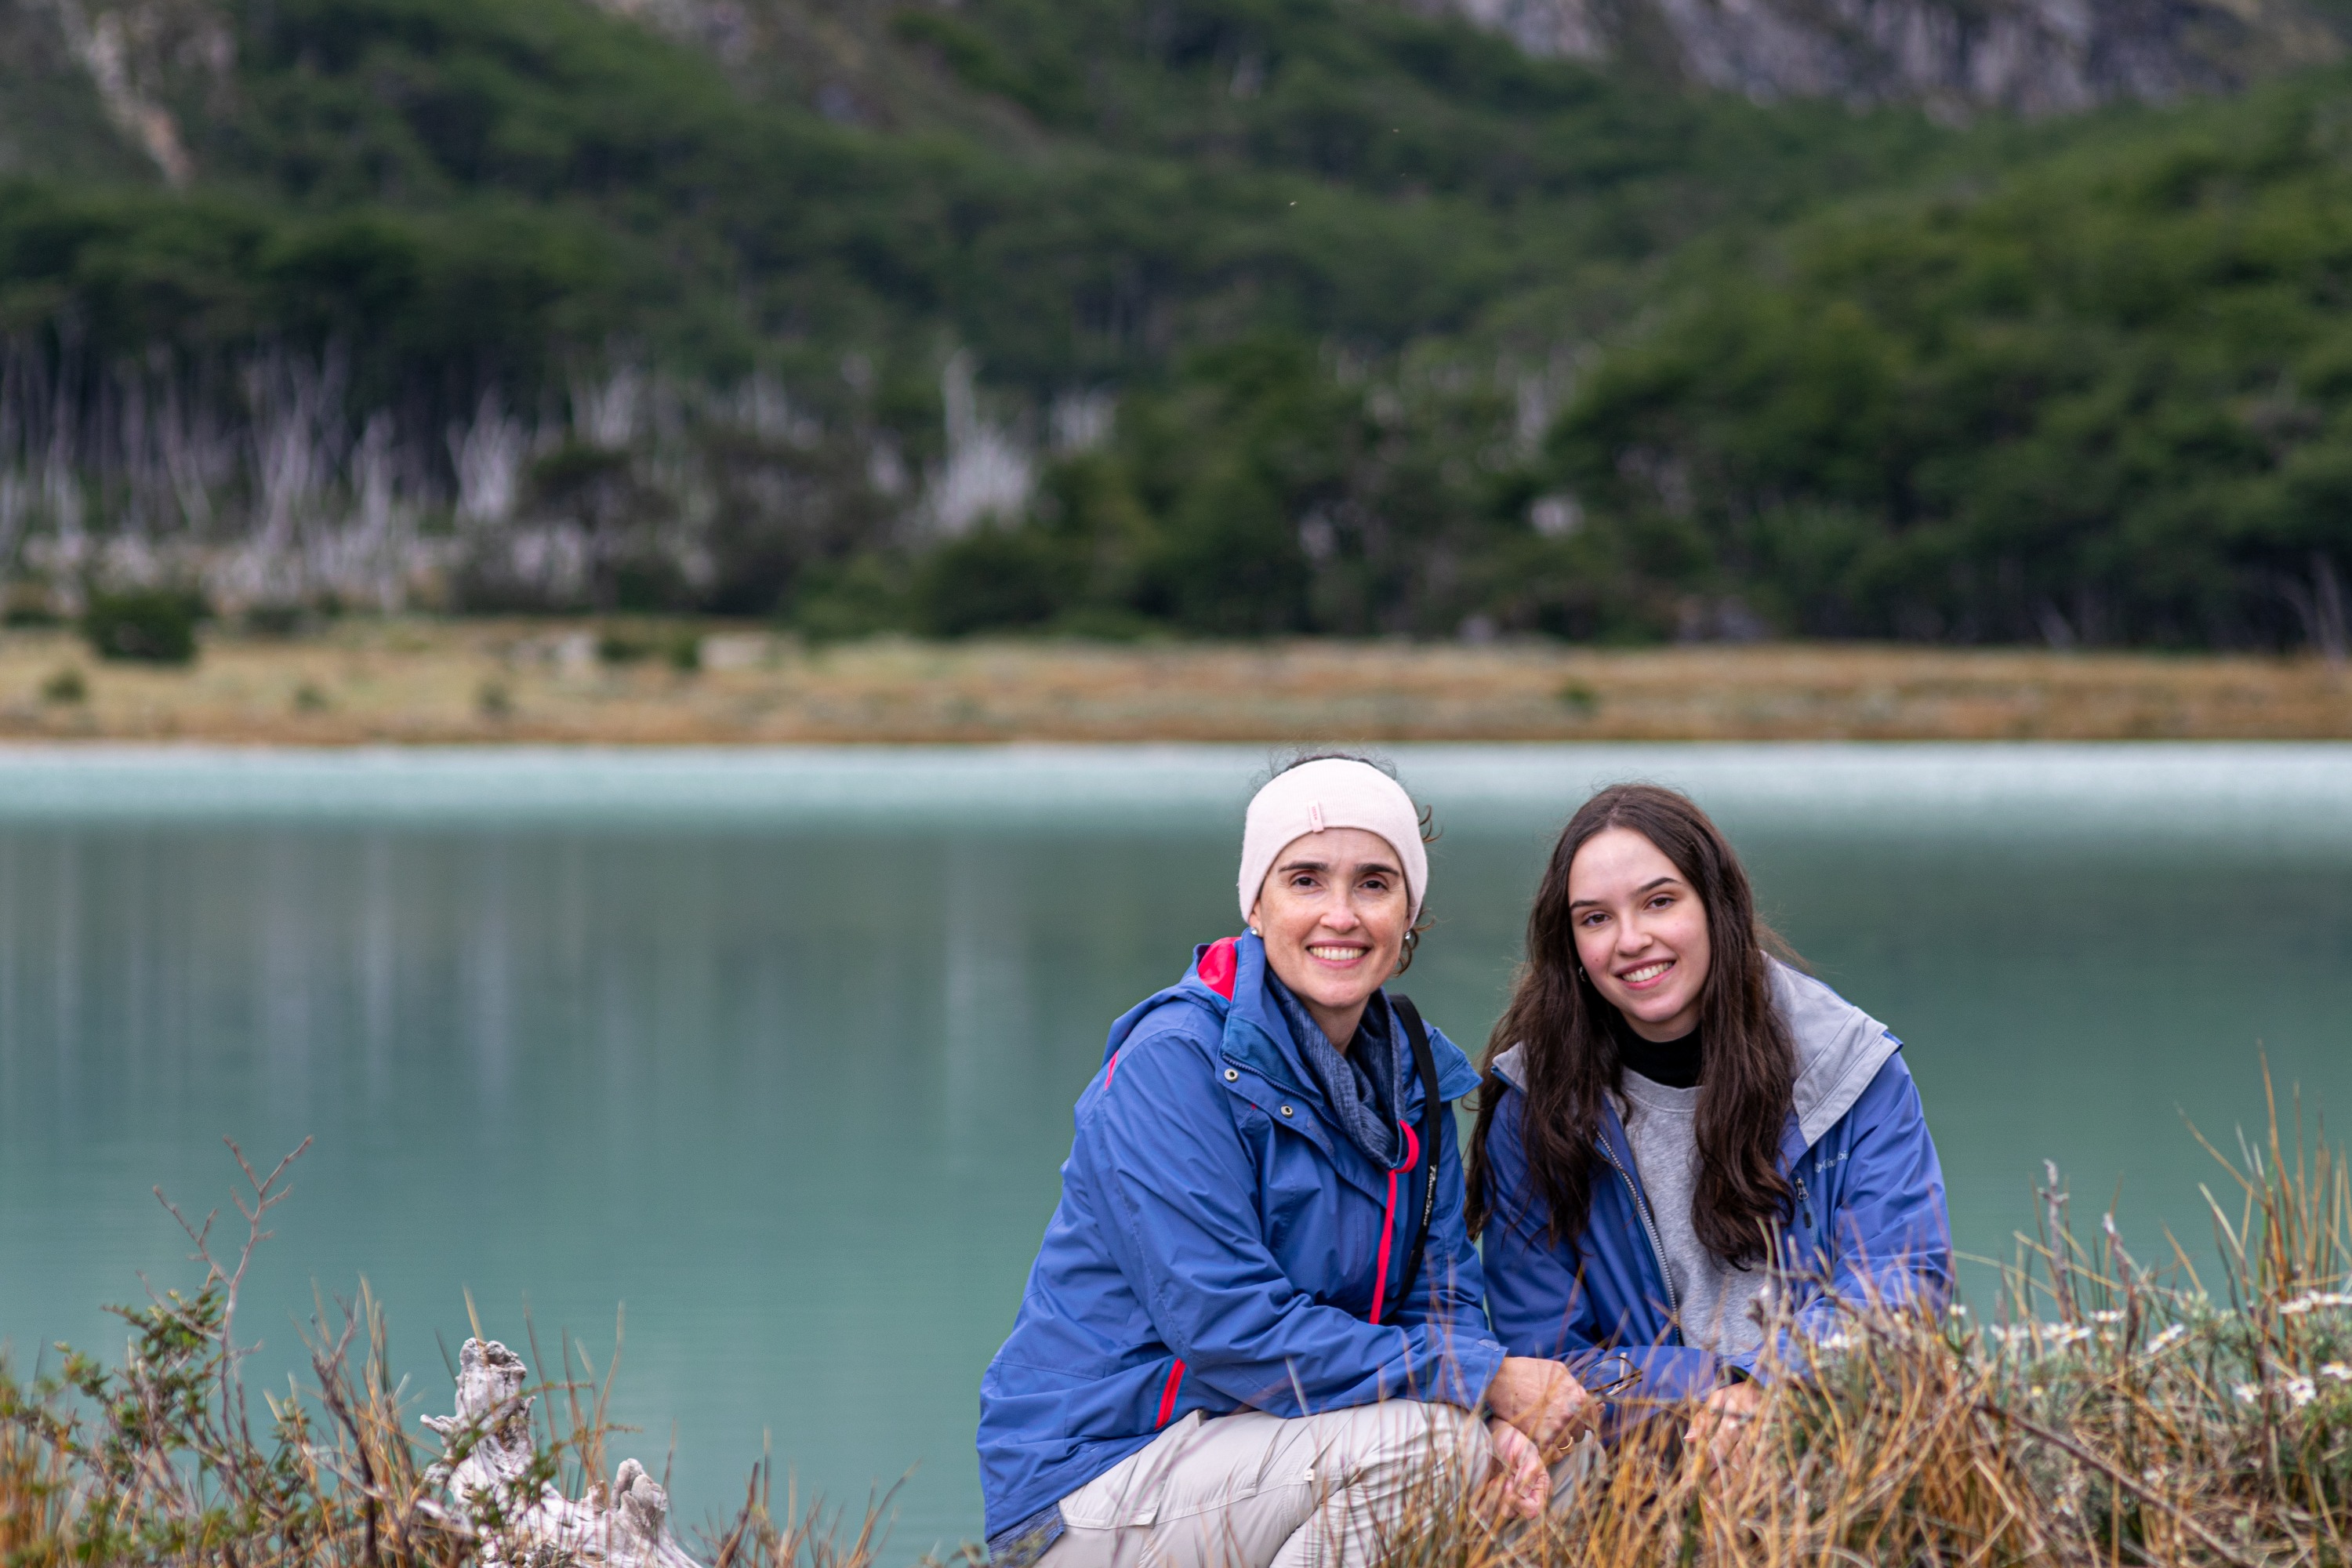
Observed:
{"x":1255,"y":931}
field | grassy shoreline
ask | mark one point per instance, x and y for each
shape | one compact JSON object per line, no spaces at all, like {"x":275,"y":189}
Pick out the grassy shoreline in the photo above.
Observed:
{"x":2097,"y":1412}
{"x":419,"y":680}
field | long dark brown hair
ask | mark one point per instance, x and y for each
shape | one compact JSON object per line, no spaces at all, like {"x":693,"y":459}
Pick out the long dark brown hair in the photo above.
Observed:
{"x":1571,"y":1057}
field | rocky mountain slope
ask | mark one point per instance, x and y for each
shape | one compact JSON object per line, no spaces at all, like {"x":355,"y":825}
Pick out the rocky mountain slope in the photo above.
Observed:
{"x":1957,"y":57}
{"x":2033,"y":57}
{"x":1231,"y":317}
{"x":98,"y":87}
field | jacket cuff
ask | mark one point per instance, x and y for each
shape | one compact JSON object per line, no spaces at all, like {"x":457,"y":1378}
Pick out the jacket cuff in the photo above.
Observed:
{"x":1452,"y":1371}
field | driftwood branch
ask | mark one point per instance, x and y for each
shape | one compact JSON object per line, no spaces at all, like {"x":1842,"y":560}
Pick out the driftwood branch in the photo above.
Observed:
{"x":490,"y":1467}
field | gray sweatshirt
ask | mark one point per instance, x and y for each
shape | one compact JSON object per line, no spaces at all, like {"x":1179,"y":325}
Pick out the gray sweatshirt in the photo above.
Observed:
{"x":1717,"y":1299}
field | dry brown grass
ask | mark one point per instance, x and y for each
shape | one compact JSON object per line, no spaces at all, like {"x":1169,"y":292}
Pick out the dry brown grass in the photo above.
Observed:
{"x":164,"y":1460}
{"x":2102,"y":1416}
{"x":469,"y":681}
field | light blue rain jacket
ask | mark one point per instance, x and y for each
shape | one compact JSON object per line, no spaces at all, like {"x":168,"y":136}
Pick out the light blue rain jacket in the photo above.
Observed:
{"x":1869,"y":1220}
{"x":1217,"y":1248}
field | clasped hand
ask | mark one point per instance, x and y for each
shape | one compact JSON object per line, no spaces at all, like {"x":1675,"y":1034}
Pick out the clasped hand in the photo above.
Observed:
{"x":1539,"y":1411}
{"x":1720,"y":1430}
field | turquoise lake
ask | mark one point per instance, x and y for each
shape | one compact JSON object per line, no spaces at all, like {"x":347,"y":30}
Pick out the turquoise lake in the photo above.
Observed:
{"x":776,"y":1049}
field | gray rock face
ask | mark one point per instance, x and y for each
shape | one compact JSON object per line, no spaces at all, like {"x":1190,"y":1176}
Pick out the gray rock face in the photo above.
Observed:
{"x":136,"y":66}
{"x":2033,"y":57}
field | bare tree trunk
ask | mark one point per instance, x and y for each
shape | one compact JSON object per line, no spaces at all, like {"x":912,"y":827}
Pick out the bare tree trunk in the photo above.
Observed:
{"x":2326,"y":607}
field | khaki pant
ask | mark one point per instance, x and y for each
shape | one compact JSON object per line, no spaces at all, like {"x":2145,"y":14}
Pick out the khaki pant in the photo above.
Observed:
{"x":1251,"y":1491}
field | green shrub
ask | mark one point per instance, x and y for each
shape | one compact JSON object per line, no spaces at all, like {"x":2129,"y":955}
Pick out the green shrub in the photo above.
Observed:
{"x":618,"y":645}
{"x":29,"y":613}
{"x":1051,"y":88}
{"x":680,"y":648}
{"x":996,"y":579}
{"x":149,"y":626}
{"x":277,"y":621}
{"x":842,"y":601}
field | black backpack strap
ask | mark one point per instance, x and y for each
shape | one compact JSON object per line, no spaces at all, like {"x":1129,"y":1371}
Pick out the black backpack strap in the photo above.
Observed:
{"x":1433,"y":1121}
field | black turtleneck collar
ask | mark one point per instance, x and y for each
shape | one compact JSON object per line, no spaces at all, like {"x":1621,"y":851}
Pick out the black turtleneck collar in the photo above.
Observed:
{"x":1673,"y":1063}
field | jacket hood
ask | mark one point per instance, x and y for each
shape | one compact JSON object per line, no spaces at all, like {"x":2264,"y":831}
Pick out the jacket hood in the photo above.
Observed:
{"x":1840,"y":1048}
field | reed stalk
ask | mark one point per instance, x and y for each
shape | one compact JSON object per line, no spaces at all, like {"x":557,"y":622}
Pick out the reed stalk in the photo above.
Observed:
{"x":2108,"y":1413}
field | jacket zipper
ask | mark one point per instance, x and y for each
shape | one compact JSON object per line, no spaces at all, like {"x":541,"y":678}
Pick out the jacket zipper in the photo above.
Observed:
{"x":1649,"y":1229}
{"x":1167,"y":1390}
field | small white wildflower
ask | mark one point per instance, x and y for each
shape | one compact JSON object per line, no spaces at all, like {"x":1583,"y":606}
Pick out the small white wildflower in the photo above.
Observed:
{"x":2065,"y":1334}
{"x":1836,"y":1341}
{"x":2336,"y":1370}
{"x":2312,"y":1300}
{"x":2114,"y":1315}
{"x":2299,"y":1391}
{"x":2247,"y":1393}
{"x":2168,"y":1339}
{"x":1959,"y":1310}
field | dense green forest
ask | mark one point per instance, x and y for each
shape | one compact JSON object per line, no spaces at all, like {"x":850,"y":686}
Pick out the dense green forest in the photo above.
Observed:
{"x":1225,"y":317}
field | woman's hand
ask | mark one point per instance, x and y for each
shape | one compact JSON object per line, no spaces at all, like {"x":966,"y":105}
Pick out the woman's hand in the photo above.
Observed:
{"x":1543,"y":1400}
{"x":1723,"y":1425}
{"x":1522,"y":1486}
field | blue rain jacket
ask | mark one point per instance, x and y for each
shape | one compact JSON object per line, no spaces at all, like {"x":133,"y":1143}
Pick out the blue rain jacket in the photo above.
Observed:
{"x":1215,"y":1250}
{"x":1869,"y":1220}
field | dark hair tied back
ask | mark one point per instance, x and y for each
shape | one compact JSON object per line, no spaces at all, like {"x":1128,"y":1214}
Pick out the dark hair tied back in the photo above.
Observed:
{"x":1571,"y":1057}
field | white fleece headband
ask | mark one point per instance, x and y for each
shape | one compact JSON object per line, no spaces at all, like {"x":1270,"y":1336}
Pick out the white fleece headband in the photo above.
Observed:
{"x":1331,"y":792}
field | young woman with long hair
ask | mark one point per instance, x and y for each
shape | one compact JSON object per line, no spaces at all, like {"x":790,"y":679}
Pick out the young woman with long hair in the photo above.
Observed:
{"x":1253,"y":1332}
{"x":1682,"y":1139}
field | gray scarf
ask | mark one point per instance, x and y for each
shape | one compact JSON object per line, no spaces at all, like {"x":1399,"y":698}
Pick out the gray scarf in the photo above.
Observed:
{"x":1360,"y":1083}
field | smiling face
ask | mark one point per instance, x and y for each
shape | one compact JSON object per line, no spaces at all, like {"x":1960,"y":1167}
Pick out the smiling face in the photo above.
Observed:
{"x":1641,"y":933}
{"x":1333,"y":913}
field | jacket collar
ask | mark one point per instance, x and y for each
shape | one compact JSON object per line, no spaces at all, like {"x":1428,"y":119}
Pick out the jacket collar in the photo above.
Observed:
{"x":1228,"y":979}
{"x":1257,"y":1036}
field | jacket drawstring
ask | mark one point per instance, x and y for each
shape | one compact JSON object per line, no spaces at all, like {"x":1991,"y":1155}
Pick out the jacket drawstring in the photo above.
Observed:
{"x":1388,"y":1220}
{"x":1380,"y":1278}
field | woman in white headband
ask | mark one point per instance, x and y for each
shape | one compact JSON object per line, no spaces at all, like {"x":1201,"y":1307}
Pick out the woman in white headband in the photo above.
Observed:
{"x":1255,"y":1330}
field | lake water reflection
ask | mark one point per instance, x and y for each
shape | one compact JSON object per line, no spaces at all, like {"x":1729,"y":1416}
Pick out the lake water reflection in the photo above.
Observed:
{"x":778,"y":1048}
